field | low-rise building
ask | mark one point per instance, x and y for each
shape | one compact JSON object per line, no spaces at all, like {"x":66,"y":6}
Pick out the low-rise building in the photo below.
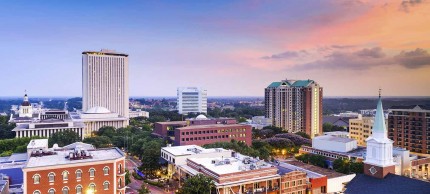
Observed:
{"x":334,"y":143}
{"x":177,"y":155}
{"x":207,"y":134}
{"x":97,"y":117}
{"x":45,"y":128}
{"x":259,"y":122}
{"x":75,"y":170}
{"x":138,"y":113}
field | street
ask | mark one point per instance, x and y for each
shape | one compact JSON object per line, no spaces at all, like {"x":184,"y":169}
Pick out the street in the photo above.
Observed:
{"x":135,"y":185}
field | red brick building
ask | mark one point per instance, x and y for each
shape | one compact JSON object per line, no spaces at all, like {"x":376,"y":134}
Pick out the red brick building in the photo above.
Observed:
{"x":75,"y":171}
{"x":207,"y":134}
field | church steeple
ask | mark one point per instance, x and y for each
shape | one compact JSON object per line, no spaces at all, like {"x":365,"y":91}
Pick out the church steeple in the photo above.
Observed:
{"x":379,"y":127}
{"x":379,"y":152}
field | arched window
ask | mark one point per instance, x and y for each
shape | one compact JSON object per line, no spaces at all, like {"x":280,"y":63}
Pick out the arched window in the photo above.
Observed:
{"x":78,"y":174}
{"x":65,"y":190}
{"x":119,"y":183}
{"x":106,"y":185}
{"x":79,"y":189}
{"x":65,"y":175}
{"x":51,"y":191}
{"x":119,"y":168}
{"x":92,"y":172}
{"x":36,"y":179}
{"x":92,"y":187}
{"x":106,"y":170}
{"x":36,"y":192}
{"x":51,"y":177}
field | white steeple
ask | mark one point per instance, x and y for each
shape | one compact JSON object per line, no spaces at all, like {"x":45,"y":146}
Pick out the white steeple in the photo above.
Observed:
{"x":379,"y":147}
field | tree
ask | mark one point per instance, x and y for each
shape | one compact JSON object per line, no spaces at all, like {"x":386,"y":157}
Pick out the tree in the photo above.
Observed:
{"x":151,"y":153}
{"x":303,"y":134}
{"x":198,"y":184}
{"x":63,"y":138}
{"x":6,"y":128}
{"x":357,"y":167}
{"x":341,"y":165}
{"x":107,"y":131}
{"x":127,"y":177}
{"x":143,"y":189}
{"x":99,"y":141}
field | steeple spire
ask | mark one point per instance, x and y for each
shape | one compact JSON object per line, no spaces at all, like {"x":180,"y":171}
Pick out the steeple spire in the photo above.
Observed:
{"x":379,"y":127}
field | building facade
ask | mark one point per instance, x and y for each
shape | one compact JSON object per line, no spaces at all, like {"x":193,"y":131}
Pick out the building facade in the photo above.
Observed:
{"x":192,"y":100}
{"x":81,"y":171}
{"x":207,"y":134}
{"x":360,"y":129}
{"x":295,"y":106}
{"x":409,"y":127}
{"x":46,"y":128}
{"x":105,"y":81}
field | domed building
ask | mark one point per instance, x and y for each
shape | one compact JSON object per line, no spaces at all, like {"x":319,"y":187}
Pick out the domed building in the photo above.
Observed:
{"x":25,"y":110}
{"x":96,"y":117}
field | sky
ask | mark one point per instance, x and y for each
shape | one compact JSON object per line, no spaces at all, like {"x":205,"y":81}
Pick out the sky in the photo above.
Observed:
{"x":231,"y":48}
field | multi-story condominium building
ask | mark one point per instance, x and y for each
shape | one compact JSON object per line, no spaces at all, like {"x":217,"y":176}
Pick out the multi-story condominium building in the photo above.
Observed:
{"x":295,"y":105}
{"x":360,"y":129}
{"x":192,"y":100}
{"x":75,"y":170}
{"x":105,"y":81}
{"x":207,"y":134}
{"x":409,"y":127}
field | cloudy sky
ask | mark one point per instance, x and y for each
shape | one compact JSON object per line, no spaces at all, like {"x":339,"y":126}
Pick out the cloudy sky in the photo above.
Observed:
{"x":232,"y":48}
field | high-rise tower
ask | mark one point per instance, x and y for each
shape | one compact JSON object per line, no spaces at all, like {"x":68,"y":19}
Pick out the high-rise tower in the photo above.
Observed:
{"x":295,"y":106}
{"x":105,"y":81}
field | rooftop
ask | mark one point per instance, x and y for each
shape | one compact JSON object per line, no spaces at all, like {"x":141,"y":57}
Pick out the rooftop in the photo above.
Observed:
{"x":38,"y":143}
{"x":391,"y":184}
{"x":173,"y":123}
{"x":191,"y":150}
{"x":61,"y":158}
{"x":311,"y":170}
{"x":334,"y":138}
{"x":105,"y":52}
{"x":227,"y":165}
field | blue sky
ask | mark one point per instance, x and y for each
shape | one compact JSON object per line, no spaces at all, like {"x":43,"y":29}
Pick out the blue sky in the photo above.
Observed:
{"x":232,"y":48}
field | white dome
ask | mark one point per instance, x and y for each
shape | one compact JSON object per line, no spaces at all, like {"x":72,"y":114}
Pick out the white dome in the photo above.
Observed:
{"x":201,"y":117}
{"x":97,"y":110}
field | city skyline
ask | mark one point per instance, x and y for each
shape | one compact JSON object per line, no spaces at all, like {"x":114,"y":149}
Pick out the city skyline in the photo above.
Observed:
{"x":351,"y":48}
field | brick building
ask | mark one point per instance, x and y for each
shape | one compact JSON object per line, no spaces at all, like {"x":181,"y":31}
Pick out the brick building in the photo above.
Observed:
{"x":75,"y":170}
{"x":207,"y":134}
{"x":409,"y":127}
{"x":202,"y":130}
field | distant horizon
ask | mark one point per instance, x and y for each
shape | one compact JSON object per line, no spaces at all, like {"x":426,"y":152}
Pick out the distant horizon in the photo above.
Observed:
{"x":209,"y":97}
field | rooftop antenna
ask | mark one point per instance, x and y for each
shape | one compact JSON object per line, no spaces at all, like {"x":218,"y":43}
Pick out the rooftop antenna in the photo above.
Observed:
{"x":380,"y":92}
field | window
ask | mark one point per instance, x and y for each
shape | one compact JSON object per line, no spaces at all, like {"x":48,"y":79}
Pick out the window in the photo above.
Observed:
{"x":92,"y":187}
{"x":119,"y":183}
{"x":79,"y":189}
{"x":51,"y":191}
{"x":51,"y":177}
{"x":36,"y":179}
{"x":92,"y":172}
{"x":106,"y":185}
{"x":78,"y":174}
{"x":36,"y":192}
{"x":119,"y":168}
{"x":106,"y":170}
{"x":65,"y":175}
{"x":65,"y":190}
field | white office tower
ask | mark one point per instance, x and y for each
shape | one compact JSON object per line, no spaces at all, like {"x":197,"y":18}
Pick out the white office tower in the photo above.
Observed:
{"x":192,"y":100}
{"x":105,"y":81}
